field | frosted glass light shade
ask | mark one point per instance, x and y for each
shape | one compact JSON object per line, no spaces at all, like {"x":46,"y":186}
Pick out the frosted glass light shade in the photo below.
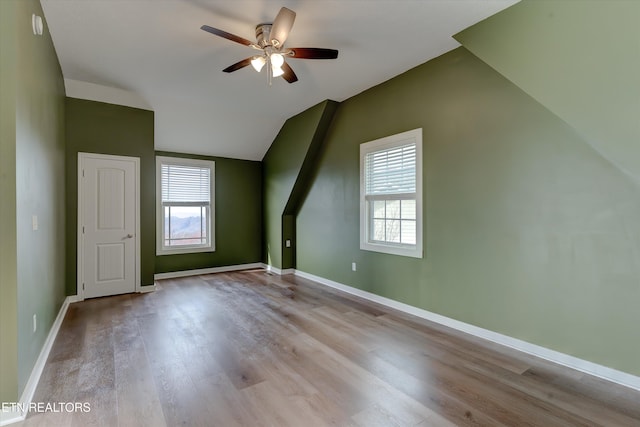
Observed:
{"x":258,"y":62}
{"x":277,"y":71}
{"x":277,"y":60}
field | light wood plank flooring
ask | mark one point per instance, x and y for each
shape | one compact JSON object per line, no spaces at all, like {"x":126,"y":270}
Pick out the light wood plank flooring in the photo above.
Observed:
{"x":254,"y":349}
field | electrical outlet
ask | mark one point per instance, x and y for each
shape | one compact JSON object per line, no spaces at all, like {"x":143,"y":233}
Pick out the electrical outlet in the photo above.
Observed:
{"x":34,"y":222}
{"x":35,"y":322}
{"x":353,"y":266}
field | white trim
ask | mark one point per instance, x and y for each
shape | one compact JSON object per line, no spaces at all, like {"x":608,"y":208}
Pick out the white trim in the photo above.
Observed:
{"x":138,"y":244}
{"x":400,"y":139}
{"x":80,"y":242}
{"x":79,"y":234}
{"x":7,"y":418}
{"x":278,"y":271}
{"x":198,"y":272}
{"x":11,"y":417}
{"x":591,"y":368}
{"x":148,"y":288}
{"x":73,"y":299}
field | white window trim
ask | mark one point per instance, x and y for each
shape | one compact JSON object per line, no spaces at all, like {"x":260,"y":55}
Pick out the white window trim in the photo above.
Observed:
{"x":160,"y":250}
{"x":414,"y":251}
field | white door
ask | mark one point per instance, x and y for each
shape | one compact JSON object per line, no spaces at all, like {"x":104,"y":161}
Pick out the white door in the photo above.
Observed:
{"x":108,"y":243}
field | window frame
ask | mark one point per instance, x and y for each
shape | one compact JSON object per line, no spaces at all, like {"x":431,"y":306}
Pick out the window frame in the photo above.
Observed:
{"x":383,"y":144}
{"x":186,"y":249}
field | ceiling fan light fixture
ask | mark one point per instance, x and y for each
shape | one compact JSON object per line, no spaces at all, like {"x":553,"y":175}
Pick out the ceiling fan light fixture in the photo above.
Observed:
{"x":258,"y":62}
{"x":270,"y":40}
{"x":277,"y":60}
{"x":277,"y":71}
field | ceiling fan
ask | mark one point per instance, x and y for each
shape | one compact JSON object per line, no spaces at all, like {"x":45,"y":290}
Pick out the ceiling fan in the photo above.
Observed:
{"x":270,"y":40}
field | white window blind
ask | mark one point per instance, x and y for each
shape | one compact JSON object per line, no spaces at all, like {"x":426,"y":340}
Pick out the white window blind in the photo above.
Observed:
{"x":391,"y":171}
{"x":185,"y":184}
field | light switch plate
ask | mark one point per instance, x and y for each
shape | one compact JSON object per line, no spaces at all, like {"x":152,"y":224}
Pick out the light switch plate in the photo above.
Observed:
{"x":34,"y":222}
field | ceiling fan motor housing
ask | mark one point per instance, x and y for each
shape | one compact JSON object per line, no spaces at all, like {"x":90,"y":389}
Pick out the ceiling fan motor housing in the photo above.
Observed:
{"x":262,"y":35}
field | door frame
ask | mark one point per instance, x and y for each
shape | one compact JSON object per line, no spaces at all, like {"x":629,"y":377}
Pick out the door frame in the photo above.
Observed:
{"x":80,"y":244}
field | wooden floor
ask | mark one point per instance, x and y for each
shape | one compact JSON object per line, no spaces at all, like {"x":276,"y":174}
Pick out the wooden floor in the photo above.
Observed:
{"x":253,"y":349}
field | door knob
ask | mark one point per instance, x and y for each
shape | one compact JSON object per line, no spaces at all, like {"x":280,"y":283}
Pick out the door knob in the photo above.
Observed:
{"x":129,"y":236}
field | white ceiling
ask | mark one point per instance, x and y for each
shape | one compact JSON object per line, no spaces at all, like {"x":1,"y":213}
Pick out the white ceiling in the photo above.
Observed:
{"x":155,"y":51}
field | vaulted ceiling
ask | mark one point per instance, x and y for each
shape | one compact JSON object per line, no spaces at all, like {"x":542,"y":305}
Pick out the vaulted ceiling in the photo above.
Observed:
{"x":153,"y":54}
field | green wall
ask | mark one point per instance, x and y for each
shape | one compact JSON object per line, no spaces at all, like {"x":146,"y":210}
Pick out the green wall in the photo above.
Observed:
{"x":8,"y":243}
{"x":287,"y":167}
{"x":580,"y":59}
{"x":96,"y":127}
{"x":528,"y":231}
{"x":32,"y":183}
{"x":238,"y":218}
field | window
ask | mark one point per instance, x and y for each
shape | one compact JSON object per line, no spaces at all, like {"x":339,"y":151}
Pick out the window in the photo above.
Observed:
{"x":185,"y":208}
{"x":391,"y":194}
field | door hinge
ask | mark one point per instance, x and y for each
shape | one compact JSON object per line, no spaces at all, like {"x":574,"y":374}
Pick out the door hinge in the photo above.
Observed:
{"x":83,"y":229}
{"x":83,"y":173}
{"x":83,"y":286}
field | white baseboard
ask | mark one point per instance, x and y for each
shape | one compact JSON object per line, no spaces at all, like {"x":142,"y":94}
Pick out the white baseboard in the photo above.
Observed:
{"x":186,"y":273}
{"x":74,"y":298}
{"x":591,"y":368}
{"x":278,"y":271}
{"x":10,"y":417}
{"x":147,"y":288}
{"x":7,"y":418}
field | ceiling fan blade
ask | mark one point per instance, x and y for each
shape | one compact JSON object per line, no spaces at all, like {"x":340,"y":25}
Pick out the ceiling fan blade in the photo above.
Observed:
{"x":289,"y":75}
{"x":312,"y":53}
{"x":281,"y":26}
{"x":226,"y":35}
{"x":237,"y":65}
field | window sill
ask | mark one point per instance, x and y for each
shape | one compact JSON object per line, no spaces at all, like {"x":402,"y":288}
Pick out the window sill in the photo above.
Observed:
{"x":184,"y":251}
{"x":412,"y":252}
